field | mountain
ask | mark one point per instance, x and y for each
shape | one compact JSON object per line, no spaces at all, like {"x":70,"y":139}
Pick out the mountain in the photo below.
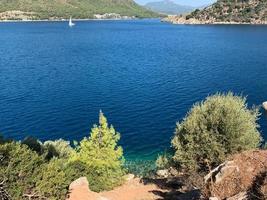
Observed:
{"x":228,"y":11}
{"x":57,"y":9}
{"x":168,"y":7}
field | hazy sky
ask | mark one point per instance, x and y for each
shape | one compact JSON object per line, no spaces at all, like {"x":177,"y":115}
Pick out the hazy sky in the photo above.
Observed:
{"x":182,"y":2}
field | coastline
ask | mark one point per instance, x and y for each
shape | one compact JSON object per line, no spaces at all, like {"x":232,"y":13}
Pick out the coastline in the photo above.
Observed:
{"x":176,"y":20}
{"x":77,"y":20}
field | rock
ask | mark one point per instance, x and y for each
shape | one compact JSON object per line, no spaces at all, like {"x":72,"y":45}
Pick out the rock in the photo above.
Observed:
{"x":163,"y":173}
{"x":182,"y":20}
{"x":222,"y":171}
{"x":264,"y":105}
{"x":79,"y":190}
{"x":173,"y":171}
{"x":81,"y":182}
{"x":213,"y":198}
{"x":238,"y":176}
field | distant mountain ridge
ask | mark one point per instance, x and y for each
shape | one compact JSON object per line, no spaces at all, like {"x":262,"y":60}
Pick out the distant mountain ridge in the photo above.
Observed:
{"x":227,"y":11}
{"x":57,"y":9}
{"x":169,"y":7}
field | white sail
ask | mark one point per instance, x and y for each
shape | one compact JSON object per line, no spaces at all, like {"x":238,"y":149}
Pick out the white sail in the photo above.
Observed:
{"x":71,"y":23}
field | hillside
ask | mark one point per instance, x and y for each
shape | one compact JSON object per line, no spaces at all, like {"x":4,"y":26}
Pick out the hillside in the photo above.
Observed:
{"x":227,"y":11}
{"x":168,"y":7}
{"x":57,"y":9}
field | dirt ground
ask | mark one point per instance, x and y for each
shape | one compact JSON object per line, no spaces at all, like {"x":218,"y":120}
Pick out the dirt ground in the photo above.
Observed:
{"x":137,"y":189}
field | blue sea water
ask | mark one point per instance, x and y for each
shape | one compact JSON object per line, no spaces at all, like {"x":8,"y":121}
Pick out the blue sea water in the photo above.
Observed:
{"x":145,"y":75}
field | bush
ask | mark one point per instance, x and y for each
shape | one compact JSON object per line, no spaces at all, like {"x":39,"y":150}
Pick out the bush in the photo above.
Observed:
{"x":19,"y":166}
{"x":27,"y":173}
{"x":220,"y":126}
{"x":52,"y":182}
{"x":102,"y":156}
{"x":58,"y":148}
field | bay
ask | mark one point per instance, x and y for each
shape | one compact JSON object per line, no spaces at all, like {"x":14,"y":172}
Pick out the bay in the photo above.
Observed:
{"x":143,"y":74}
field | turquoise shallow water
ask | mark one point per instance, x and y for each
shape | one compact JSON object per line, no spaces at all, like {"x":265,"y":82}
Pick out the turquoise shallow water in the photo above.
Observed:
{"x":143,"y":74}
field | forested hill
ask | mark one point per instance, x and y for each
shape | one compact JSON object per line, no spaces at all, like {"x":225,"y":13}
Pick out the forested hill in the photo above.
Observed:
{"x":56,"y":9}
{"x":246,"y":11}
{"x":229,"y":11}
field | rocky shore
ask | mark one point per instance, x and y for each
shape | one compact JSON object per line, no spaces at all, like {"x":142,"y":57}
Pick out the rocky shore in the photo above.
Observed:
{"x":183,"y":20}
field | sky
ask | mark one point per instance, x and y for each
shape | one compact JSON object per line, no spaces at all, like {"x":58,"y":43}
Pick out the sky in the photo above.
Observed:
{"x":182,"y":2}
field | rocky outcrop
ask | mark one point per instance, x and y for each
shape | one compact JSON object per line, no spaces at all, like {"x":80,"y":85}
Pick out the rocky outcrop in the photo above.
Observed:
{"x":243,"y":177}
{"x":182,"y":20}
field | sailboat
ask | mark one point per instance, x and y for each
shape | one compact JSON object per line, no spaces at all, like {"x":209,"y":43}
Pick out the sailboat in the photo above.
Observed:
{"x":71,"y":24}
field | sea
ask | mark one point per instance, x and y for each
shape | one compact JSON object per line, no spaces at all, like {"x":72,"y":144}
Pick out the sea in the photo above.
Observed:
{"x":144,"y":75}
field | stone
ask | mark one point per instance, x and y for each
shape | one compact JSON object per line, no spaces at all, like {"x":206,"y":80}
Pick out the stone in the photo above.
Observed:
{"x":164,"y":173}
{"x":222,"y":171}
{"x":79,"y":190}
{"x":213,"y":198}
{"x":80,"y":182}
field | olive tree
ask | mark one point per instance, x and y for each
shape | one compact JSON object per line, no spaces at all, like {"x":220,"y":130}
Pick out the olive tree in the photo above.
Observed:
{"x":213,"y":129}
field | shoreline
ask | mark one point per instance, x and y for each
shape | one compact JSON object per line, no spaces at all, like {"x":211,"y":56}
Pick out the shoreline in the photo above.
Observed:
{"x":182,"y":21}
{"x":77,"y":20}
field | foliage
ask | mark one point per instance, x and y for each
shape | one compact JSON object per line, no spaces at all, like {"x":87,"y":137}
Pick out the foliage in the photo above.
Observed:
{"x":27,"y":173}
{"x":81,"y":9}
{"x":19,"y":166}
{"x":240,"y":11}
{"x":58,"y":148}
{"x":49,"y":149}
{"x":163,"y":161}
{"x":213,"y":129}
{"x":102,"y":155}
{"x":47,"y":169}
{"x":52,"y":182}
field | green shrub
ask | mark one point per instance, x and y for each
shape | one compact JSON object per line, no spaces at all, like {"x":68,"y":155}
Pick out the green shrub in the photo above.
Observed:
{"x":27,"y":173}
{"x":58,"y":148}
{"x":19,"y":166}
{"x":220,"y":126}
{"x":52,"y":183}
{"x":102,"y":156}
{"x":76,"y":169}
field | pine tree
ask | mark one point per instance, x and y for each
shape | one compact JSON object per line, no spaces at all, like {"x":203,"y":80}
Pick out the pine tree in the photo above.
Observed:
{"x":102,"y":155}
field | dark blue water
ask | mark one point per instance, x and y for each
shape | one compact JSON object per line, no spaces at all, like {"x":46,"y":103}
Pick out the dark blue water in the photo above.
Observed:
{"x":144,"y":75}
